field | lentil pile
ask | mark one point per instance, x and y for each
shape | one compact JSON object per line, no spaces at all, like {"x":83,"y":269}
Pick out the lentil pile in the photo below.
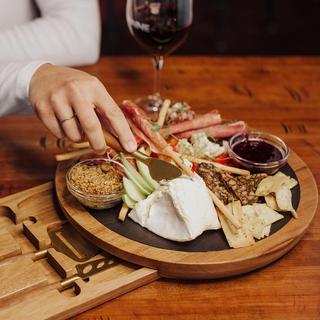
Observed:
{"x":96,"y":179}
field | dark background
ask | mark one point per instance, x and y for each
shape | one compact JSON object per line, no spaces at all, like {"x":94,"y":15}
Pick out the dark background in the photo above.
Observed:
{"x":230,"y":27}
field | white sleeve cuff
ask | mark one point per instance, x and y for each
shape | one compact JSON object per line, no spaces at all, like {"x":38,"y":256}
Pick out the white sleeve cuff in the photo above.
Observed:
{"x":23,"y":81}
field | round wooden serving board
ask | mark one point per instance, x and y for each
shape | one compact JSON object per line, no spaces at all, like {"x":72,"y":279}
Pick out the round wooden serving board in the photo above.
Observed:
{"x":175,"y":262}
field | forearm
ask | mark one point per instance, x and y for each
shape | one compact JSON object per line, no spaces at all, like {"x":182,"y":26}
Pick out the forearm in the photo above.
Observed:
{"x":67,"y":33}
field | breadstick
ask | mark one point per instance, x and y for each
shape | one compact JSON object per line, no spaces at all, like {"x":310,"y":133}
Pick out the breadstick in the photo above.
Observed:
{"x":163,"y":112}
{"x":221,"y":166}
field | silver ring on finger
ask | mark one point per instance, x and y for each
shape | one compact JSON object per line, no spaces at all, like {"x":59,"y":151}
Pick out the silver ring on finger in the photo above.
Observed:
{"x":67,"y":119}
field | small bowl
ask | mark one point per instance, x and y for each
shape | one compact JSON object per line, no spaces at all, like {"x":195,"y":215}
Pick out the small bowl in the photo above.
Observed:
{"x":93,"y":201}
{"x":266,"y":167}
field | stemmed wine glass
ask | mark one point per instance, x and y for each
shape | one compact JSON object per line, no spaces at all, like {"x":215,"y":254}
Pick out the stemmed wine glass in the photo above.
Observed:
{"x":160,"y":27}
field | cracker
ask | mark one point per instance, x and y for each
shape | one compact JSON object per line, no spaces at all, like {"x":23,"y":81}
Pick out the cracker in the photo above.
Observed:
{"x":284,"y":200}
{"x":271,"y":184}
{"x":236,"y":238}
{"x":244,"y":187}
{"x":271,"y":202}
{"x":291,"y":183}
{"x":255,"y":224}
{"x":213,"y":180}
{"x":268,"y":215}
{"x":266,"y":231}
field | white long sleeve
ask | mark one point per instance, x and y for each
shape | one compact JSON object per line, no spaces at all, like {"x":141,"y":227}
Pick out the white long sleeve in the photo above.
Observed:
{"x":67,"y":33}
{"x":14,"y":86}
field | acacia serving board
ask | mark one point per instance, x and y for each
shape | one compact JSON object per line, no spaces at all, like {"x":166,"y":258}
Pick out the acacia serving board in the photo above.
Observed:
{"x":175,"y":263}
{"x":30,"y":288}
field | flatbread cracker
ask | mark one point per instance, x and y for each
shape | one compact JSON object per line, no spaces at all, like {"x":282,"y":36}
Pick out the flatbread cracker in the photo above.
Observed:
{"x":266,"y":231}
{"x":284,"y":200}
{"x":271,"y":184}
{"x":212,"y":178}
{"x":268,"y":215}
{"x":255,"y":223}
{"x":291,"y":183}
{"x":237,"y":238}
{"x":238,"y":212}
{"x":272,"y":202}
{"x":244,"y":187}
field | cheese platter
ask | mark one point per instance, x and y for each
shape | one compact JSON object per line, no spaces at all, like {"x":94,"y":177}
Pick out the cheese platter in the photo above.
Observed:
{"x":218,"y":219}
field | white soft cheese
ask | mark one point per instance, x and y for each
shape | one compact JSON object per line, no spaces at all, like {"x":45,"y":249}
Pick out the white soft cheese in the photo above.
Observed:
{"x":203,"y":147}
{"x":179,"y":210}
{"x":185,"y":147}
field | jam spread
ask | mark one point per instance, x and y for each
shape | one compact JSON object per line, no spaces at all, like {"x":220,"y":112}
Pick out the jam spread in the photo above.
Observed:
{"x":257,"y":150}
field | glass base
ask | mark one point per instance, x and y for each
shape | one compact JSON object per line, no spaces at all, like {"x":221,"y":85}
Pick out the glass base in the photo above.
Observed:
{"x":151,"y":103}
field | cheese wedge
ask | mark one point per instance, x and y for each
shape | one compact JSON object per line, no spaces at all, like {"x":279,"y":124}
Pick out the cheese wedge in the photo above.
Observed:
{"x":179,"y":210}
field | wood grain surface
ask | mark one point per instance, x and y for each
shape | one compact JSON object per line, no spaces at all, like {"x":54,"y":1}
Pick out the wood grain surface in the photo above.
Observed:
{"x":278,"y":95}
{"x":61,"y":281}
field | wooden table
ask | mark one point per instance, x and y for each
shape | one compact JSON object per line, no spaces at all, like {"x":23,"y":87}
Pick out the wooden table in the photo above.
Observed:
{"x":278,"y":95}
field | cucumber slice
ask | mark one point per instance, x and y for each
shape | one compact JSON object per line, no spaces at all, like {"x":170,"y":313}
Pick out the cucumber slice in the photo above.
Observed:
{"x":144,"y":171}
{"x":136,"y":183}
{"x":132,"y":191}
{"x":144,"y":151}
{"x":135,"y":176}
{"x":128,"y":201}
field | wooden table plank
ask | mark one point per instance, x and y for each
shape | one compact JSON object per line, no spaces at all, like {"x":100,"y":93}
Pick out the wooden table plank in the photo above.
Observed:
{"x":279,"y":95}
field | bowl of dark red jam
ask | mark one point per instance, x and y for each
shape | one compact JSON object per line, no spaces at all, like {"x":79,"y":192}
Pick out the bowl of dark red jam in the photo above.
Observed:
{"x":258,"y":151}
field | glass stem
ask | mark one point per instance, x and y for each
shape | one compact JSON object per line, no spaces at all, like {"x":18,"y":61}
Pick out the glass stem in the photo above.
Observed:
{"x":158,"y":64}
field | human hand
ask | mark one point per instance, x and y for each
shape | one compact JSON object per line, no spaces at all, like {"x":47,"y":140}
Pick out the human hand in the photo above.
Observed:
{"x":69,"y":103}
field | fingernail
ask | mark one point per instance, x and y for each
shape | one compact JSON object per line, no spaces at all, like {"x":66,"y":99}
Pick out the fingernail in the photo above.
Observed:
{"x":101,"y":152}
{"x":131,"y":146}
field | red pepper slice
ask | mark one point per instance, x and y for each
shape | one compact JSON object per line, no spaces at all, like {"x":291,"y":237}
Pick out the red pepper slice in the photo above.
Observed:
{"x":223,"y":158}
{"x":172,"y":141}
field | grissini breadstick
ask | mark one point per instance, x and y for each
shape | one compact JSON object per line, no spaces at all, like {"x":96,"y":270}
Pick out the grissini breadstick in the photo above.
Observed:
{"x":123,"y":212}
{"x":163,"y":112}
{"x":80,"y":145}
{"x":219,"y":165}
{"x":73,"y":154}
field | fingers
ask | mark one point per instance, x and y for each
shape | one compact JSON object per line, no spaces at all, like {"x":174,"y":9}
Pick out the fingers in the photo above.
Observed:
{"x":109,"y":109}
{"x":65,"y":115}
{"x":70,"y":126}
{"x":90,"y":123}
{"x":47,"y":116}
{"x":65,"y":92}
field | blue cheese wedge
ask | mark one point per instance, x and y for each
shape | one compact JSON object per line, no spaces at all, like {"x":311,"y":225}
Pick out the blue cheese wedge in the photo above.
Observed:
{"x":179,"y":210}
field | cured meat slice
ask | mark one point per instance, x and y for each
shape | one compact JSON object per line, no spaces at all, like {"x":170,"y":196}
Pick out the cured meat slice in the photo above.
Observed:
{"x":200,"y":121}
{"x":138,"y":117}
{"x":218,"y":131}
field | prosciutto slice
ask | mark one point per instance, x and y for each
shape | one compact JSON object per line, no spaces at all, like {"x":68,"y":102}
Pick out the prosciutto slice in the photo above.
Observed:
{"x":218,"y":131}
{"x":139,"y":119}
{"x":200,"y":121}
{"x":140,"y":136}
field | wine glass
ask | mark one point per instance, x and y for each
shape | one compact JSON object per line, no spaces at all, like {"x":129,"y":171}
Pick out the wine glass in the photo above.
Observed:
{"x":160,"y":27}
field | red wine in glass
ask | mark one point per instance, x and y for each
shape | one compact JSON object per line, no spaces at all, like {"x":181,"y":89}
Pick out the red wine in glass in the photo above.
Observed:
{"x":160,"y":27}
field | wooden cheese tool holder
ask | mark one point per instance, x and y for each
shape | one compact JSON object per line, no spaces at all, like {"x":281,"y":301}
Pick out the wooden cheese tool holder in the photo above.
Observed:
{"x":37,"y":280}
